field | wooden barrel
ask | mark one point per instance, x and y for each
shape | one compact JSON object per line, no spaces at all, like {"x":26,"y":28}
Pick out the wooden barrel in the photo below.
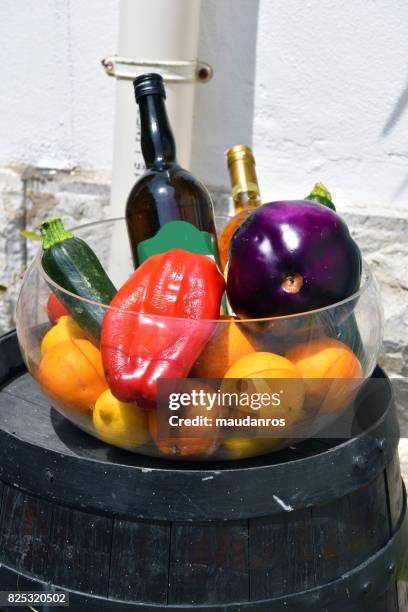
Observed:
{"x":319,"y":527}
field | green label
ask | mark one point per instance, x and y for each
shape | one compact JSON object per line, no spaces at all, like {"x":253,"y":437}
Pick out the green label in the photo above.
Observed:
{"x":178,"y":235}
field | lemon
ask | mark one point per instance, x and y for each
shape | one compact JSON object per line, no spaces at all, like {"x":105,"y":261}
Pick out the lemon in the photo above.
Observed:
{"x":65,"y":329}
{"x":118,"y":423}
{"x":241,"y":448}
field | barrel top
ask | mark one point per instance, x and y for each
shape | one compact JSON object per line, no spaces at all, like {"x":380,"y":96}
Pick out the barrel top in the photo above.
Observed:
{"x":44,"y":454}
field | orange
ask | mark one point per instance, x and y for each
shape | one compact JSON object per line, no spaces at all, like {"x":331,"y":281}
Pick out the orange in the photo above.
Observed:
{"x":184,"y":446}
{"x":263,"y":367}
{"x":327,"y":358}
{"x":225,"y":347}
{"x":65,"y":329}
{"x":120,"y":423}
{"x":182,"y":439}
{"x":261,"y":364}
{"x":71,"y":373}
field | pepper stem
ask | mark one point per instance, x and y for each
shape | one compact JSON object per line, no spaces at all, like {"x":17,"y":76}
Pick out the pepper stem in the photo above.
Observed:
{"x":321,"y":195}
{"x":53,"y":232}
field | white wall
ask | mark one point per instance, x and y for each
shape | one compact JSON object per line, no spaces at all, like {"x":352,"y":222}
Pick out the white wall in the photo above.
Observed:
{"x":57,"y":105}
{"x":330,"y":96}
{"x":320,"y":89}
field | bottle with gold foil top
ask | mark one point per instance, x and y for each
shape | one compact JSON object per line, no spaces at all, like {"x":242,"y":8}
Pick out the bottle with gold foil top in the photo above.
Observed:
{"x":245,"y":193}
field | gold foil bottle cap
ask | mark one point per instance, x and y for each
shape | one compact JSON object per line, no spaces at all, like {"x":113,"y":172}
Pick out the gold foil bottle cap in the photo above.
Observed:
{"x":241,"y":166}
{"x":239,"y":152}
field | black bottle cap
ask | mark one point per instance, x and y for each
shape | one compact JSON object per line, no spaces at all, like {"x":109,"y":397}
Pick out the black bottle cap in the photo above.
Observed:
{"x":150,"y":83}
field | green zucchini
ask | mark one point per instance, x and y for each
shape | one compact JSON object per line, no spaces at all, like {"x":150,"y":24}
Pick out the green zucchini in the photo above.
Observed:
{"x":73,"y":265}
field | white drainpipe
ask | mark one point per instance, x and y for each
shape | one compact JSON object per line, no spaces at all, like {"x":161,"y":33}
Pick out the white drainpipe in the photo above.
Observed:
{"x":153,"y":31}
{"x":154,"y":36}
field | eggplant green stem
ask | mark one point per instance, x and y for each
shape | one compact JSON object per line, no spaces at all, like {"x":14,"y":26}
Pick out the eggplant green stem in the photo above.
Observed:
{"x":321,"y":195}
{"x":53,"y":232}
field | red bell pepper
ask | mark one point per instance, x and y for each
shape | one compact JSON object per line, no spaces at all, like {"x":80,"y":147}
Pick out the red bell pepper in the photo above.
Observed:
{"x":55,"y":309}
{"x":156,"y":324}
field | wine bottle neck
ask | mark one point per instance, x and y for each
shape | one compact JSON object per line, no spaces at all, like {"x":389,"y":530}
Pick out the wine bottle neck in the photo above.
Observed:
{"x":246,"y":200}
{"x":157,"y":140}
{"x":244,"y":182}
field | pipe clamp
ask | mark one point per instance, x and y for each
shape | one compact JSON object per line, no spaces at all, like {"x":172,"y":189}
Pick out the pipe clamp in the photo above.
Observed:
{"x":190,"y":71}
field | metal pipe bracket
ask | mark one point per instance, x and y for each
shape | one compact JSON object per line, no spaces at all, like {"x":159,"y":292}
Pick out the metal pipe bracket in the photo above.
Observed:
{"x":189,"y":71}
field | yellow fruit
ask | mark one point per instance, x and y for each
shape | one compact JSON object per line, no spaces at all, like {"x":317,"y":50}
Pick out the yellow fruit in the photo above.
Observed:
{"x":65,"y":329}
{"x":262,"y":365}
{"x":264,"y":368}
{"x":228,"y":343}
{"x":118,"y":423}
{"x":325,"y":363}
{"x":241,"y":448}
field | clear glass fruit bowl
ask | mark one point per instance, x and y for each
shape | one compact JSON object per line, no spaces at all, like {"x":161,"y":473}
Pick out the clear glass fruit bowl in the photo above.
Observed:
{"x":250,"y":387}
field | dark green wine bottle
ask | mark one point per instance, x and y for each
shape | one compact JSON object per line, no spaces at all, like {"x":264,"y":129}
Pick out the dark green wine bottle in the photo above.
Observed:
{"x":165,"y":192}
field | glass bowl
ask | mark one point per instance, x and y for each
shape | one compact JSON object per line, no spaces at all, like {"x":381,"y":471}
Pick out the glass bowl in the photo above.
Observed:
{"x":250,"y":387}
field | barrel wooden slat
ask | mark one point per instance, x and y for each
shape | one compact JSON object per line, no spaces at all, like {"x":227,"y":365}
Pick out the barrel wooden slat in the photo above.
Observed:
{"x":24,"y":531}
{"x":209,"y":563}
{"x":331,"y":525}
{"x":140,"y":561}
{"x":369,"y":521}
{"x":79,"y":550}
{"x":301,"y":559}
{"x":267,"y":557}
{"x":395,"y":492}
{"x":281,"y":554}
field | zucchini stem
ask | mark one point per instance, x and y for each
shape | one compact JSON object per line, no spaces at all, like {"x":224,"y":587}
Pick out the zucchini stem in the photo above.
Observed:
{"x":53,"y":232}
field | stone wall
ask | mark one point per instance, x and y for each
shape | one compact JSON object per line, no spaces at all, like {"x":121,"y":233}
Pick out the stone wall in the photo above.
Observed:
{"x":28,"y":196}
{"x":383,"y":241}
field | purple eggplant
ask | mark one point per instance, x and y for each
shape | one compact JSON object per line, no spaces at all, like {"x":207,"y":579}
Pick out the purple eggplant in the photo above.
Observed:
{"x":290,"y":257}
